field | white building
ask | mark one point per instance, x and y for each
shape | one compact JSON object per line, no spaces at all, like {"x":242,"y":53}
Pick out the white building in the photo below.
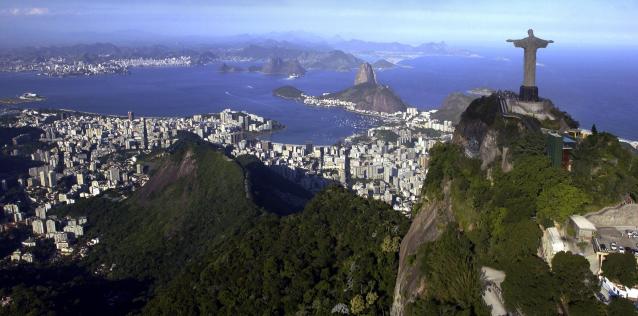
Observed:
{"x":615,"y":289}
{"x":38,"y":227}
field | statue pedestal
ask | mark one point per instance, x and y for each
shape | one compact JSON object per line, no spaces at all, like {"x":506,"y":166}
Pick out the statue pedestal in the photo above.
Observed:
{"x":529,"y":94}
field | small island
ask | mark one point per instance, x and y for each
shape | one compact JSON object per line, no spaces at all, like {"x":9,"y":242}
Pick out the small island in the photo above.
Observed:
{"x":26,"y":97}
{"x":289,"y":93}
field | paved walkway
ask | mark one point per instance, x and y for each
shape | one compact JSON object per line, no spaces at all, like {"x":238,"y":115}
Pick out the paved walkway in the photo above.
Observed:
{"x":492,"y":295}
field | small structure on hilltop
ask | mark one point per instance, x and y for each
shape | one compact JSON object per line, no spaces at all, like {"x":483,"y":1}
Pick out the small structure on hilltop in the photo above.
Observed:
{"x":583,"y":228}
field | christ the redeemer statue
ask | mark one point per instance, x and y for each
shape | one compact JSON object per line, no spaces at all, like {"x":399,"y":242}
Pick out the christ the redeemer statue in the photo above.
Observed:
{"x":529,"y":90}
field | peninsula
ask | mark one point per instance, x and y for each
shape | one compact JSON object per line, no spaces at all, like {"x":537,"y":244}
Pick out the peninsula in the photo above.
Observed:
{"x":366,"y":96}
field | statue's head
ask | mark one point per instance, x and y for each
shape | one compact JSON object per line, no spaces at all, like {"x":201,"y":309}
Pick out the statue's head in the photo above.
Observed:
{"x":530,"y":32}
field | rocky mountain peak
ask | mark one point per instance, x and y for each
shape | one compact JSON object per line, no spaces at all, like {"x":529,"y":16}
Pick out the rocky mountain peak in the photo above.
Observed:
{"x":365,"y":75}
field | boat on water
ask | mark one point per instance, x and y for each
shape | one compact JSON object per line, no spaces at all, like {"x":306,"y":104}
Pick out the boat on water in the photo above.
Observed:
{"x":293,"y":76}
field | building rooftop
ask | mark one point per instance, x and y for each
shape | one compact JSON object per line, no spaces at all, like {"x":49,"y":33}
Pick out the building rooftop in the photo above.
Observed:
{"x":582,"y":222}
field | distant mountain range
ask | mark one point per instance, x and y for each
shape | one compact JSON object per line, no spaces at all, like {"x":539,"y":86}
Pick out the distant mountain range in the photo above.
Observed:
{"x":425,"y":48}
{"x":312,"y":54}
{"x":309,"y":59}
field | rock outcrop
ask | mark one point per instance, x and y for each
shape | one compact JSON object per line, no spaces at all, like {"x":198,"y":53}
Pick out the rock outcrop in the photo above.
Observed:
{"x":277,"y":66}
{"x":365,"y":75}
{"x":225,"y":68}
{"x":383,"y":64}
{"x":370,"y":97}
{"x":366,"y":94}
{"x":425,"y":228}
{"x":453,"y":106}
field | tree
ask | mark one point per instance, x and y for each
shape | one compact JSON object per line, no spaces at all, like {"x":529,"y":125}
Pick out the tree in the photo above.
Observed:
{"x":357,"y":305}
{"x":621,"y":268}
{"x":621,"y":306}
{"x":517,"y":242}
{"x":575,"y":280}
{"x":560,"y":201}
{"x":371,"y":298}
{"x":590,"y":307}
{"x":594,"y":130}
{"x":453,"y":276}
{"x":531,"y":288}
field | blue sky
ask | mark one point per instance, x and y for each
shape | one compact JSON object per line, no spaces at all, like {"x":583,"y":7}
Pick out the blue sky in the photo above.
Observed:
{"x":478,"y":22}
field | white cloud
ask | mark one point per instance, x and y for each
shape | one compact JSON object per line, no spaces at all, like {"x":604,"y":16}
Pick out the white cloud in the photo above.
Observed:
{"x":35,"y":11}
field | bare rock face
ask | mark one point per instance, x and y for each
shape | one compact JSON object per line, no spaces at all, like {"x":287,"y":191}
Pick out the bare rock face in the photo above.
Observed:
{"x":410,"y":282}
{"x":371,"y":97}
{"x":365,"y":75}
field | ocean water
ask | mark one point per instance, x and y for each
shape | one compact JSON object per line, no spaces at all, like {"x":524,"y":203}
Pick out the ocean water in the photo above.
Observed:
{"x":598,"y":87}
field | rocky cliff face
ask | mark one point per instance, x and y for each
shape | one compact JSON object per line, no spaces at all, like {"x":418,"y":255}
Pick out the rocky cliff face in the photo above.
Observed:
{"x":277,"y":66}
{"x":425,"y":228}
{"x":368,"y":95}
{"x":365,"y":75}
{"x":371,"y":97}
{"x":483,"y":132}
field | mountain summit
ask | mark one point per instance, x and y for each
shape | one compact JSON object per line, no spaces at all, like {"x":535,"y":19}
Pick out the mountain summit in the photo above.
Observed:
{"x":277,"y":66}
{"x":368,"y":94}
{"x":365,"y":75}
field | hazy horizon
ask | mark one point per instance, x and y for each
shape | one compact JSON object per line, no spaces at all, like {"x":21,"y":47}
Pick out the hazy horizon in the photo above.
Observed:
{"x":482,"y":23}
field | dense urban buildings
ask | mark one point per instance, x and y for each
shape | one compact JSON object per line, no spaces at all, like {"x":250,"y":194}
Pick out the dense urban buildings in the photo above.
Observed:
{"x":96,"y":153}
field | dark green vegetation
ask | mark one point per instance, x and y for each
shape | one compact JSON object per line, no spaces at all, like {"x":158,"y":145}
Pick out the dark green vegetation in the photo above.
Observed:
{"x":621,"y":306}
{"x":15,"y":159}
{"x":195,"y":200}
{"x":203,"y":237}
{"x":271,"y":191}
{"x":288,"y":92}
{"x":501,"y":212}
{"x":605,"y":168}
{"x":67,"y":290}
{"x":621,"y":268}
{"x":386,"y":135}
{"x":10,"y":239}
{"x":340,"y":249}
{"x":574,"y":280}
{"x":7,"y":133}
{"x":428,"y":132}
{"x":531,"y":288}
{"x":454,"y":281}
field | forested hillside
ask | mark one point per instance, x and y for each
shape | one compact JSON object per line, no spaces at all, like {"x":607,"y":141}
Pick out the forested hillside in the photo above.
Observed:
{"x":205,"y":236}
{"x":499,"y":210}
{"x":340,"y":253}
